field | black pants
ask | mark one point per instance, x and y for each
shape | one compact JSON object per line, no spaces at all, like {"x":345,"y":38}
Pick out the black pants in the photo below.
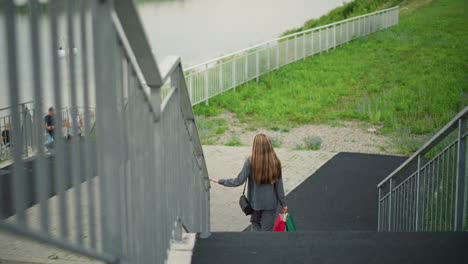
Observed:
{"x":263,"y":220}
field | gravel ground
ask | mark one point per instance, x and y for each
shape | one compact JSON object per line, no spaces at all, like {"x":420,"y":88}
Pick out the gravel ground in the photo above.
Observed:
{"x":342,"y":136}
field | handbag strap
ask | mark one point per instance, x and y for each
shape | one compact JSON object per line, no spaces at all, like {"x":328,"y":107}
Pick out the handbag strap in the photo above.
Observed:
{"x":245,"y":184}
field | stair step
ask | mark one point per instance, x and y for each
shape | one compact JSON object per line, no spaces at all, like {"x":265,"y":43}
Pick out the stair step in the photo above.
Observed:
{"x":332,"y":247}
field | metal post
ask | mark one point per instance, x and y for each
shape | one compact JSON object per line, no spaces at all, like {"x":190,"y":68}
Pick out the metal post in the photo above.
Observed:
{"x":460,"y":195}
{"x":246,"y":67}
{"x":257,"y":62}
{"x":207,"y":80}
{"x":347,"y":32}
{"x":390,"y":206}
{"x":334,"y":36}
{"x":277,"y":56}
{"x":359,"y":27}
{"x":328,"y":46}
{"x":295,"y":48}
{"x":378,"y":211}
{"x":304,"y":46}
{"x":320,"y":41}
{"x":287,"y":51}
{"x":234,"y":74}
{"x":312,"y":42}
{"x":24,"y":129}
{"x":221,"y":86}
{"x":268,"y":60}
{"x":419,"y":198}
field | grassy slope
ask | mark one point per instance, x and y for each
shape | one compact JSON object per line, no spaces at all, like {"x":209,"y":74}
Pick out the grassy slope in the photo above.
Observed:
{"x":412,"y":77}
{"x":347,"y":10}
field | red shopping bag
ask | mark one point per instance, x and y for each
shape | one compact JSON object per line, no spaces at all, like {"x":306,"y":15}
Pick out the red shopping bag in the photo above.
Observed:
{"x":280,"y":223}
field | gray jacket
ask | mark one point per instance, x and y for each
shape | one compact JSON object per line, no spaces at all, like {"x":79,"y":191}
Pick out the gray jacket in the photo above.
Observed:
{"x":261,"y":196}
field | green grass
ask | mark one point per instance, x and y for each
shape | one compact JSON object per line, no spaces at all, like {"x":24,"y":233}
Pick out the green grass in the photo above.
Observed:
{"x":412,"y":77}
{"x":210,"y":128}
{"x":348,"y":10}
{"x":234,"y":141}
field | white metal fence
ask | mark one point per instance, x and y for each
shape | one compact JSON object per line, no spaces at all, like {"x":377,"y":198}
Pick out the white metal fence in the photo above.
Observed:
{"x":121,"y":195}
{"x":211,"y":78}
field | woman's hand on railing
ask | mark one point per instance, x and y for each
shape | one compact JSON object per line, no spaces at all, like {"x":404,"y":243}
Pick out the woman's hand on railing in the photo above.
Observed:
{"x":214,"y":180}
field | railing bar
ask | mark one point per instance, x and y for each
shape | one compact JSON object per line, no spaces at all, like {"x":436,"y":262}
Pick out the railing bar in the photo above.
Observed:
{"x":131,"y":155}
{"x":399,"y":206}
{"x":453,"y":167}
{"x":412,"y":226}
{"x":424,"y":200}
{"x":41,"y":175}
{"x":436,"y":191}
{"x":410,"y":205}
{"x":402,"y":211}
{"x":447,"y":173}
{"x":19,"y":198}
{"x":379,"y":211}
{"x":430,"y":184}
{"x":75,"y":162}
{"x":59,"y":160}
{"x":441,"y":190}
{"x":87,"y":152}
{"x":407,"y":206}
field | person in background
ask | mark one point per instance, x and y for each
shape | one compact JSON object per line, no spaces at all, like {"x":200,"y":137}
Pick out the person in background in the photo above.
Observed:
{"x":265,"y":190}
{"x":49,"y":124}
{"x":74,"y":123}
{"x":6,"y":135}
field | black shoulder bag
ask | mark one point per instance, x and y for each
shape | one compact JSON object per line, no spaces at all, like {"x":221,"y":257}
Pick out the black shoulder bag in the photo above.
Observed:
{"x":244,"y":202}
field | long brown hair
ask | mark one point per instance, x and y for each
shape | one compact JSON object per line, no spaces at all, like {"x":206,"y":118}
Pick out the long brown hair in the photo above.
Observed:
{"x":265,"y":165}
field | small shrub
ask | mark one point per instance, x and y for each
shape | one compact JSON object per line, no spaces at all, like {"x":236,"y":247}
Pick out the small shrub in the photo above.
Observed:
{"x":334,"y":123}
{"x":312,"y":142}
{"x":220,"y":130}
{"x":276,"y":142}
{"x":234,"y":141}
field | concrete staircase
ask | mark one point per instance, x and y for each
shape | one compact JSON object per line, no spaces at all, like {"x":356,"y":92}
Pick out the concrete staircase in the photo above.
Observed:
{"x":335,"y":211}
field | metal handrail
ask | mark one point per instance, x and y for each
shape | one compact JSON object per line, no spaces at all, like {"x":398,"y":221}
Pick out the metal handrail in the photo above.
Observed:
{"x":429,"y":193}
{"x":437,"y":138}
{"x":141,"y":179}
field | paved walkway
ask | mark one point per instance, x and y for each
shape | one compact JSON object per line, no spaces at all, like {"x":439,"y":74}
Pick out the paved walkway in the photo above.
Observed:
{"x":227,"y":162}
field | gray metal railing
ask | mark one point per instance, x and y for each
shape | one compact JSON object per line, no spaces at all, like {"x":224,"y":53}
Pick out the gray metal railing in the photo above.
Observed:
{"x":216,"y":76}
{"x":428,"y":191}
{"x":123,"y":194}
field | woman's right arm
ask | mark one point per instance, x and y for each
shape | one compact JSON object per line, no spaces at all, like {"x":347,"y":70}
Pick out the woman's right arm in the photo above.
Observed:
{"x":241,"y":178}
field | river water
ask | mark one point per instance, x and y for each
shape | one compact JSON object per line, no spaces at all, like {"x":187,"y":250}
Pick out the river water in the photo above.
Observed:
{"x":196,"y":30}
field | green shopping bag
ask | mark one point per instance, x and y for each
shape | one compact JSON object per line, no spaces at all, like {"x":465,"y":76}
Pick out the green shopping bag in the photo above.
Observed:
{"x":290,"y":226}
